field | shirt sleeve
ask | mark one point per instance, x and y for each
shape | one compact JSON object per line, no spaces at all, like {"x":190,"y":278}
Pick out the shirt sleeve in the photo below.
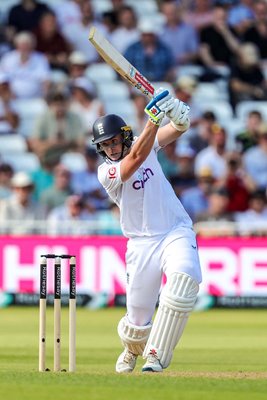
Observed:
{"x":109,"y":176}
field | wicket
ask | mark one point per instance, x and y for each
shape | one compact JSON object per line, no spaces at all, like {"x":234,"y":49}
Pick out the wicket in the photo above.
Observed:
{"x":57,"y":311}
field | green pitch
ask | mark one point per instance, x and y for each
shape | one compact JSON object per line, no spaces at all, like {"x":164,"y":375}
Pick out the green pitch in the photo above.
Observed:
{"x":222,"y":355}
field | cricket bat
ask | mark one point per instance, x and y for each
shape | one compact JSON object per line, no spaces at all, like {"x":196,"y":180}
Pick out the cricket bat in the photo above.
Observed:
{"x":119,"y":63}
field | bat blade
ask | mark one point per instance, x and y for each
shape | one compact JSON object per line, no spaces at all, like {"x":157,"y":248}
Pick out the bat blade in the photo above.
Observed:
{"x":119,"y":63}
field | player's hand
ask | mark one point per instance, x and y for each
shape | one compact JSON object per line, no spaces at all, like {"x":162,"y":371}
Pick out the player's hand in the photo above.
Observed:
{"x":159,"y":105}
{"x":179,"y":115}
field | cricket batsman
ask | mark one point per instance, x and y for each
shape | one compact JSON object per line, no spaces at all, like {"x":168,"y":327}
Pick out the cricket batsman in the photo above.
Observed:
{"x":160,"y":236}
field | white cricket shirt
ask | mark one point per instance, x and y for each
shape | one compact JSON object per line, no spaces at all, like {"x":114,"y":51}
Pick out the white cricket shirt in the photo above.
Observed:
{"x":147,"y":202}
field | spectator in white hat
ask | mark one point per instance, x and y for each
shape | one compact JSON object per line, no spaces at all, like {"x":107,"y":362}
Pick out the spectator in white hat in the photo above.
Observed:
{"x":19,"y":212}
{"x":77,"y":64}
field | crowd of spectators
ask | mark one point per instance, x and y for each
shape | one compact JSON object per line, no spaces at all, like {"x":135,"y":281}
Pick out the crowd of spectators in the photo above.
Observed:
{"x":218,"y":168}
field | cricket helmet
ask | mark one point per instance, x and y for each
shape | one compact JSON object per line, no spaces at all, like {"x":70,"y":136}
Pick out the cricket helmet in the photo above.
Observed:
{"x":109,"y":126}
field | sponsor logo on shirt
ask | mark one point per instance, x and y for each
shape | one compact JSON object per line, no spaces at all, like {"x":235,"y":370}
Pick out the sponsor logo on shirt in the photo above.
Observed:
{"x":112,"y":172}
{"x":140,"y":183}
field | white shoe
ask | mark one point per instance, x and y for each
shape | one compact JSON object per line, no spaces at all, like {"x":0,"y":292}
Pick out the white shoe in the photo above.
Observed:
{"x":152,"y":363}
{"x":126,"y":362}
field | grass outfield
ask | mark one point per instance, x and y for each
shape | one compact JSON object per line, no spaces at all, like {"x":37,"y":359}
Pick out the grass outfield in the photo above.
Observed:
{"x":222,"y":355}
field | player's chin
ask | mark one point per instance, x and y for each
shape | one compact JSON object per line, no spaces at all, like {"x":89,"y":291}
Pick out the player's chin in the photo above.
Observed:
{"x":115,"y":157}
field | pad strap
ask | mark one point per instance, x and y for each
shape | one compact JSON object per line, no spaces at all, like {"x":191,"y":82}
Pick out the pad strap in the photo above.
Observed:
{"x":133,"y":337}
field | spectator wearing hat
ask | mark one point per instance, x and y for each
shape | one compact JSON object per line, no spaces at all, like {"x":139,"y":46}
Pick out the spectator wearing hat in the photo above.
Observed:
{"x":255,"y":159}
{"x":195,"y":199}
{"x":77,"y":65}
{"x":71,"y":218}
{"x":50,"y":42}
{"x":9,"y":117}
{"x":181,"y":37}
{"x":56,"y":194}
{"x":254,"y":219}
{"x":213,"y":156}
{"x":6,"y":174}
{"x":19,"y":212}
{"x":28,"y":71}
{"x":86,"y":183}
{"x":150,"y":56}
{"x":58,"y":129}
{"x":85,"y":103}
{"x":247,"y":80}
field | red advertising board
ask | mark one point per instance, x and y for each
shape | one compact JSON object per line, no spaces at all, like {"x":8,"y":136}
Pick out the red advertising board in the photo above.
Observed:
{"x":231,"y":266}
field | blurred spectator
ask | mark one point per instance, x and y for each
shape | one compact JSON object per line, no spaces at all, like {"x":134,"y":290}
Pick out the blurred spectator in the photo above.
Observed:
{"x":68,"y":219}
{"x":195,"y":199}
{"x":139,"y":103}
{"x":200,"y":15}
{"x":110,"y":20}
{"x":19,"y":212}
{"x":86,"y":183}
{"x":85,"y":103}
{"x":58,"y":129}
{"x":56,"y":194}
{"x":126,"y":33}
{"x":201,"y":139}
{"x":9,"y":118}
{"x":168,"y":160}
{"x":69,"y":13}
{"x":77,"y":65}
{"x":25,"y":16}
{"x":77,"y":33}
{"x":249,"y":136}
{"x":255,"y":159}
{"x":217,"y":210}
{"x":117,"y":4}
{"x":247,"y":81}
{"x":213,"y":156}
{"x":150,"y":55}
{"x":43,"y":177}
{"x":241,"y":16}
{"x":27,"y":70}
{"x":6,"y":174}
{"x":185,"y":178}
{"x":184,"y":89}
{"x":257,"y":33}
{"x":254,"y":219}
{"x":50,"y":42}
{"x":218,"y":45}
{"x":179,"y":36}
{"x":237,"y":182}
{"x":109,"y":221}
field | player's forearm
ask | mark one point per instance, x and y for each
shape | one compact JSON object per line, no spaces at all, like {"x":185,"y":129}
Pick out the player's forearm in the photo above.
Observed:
{"x":139,"y":152}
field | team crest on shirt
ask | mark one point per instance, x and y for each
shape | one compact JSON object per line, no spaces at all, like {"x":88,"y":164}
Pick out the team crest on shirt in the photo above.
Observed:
{"x":112,"y":172}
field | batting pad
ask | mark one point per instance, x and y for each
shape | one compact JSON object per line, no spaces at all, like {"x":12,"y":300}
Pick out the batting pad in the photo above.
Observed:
{"x":133,"y":337}
{"x":176,"y":302}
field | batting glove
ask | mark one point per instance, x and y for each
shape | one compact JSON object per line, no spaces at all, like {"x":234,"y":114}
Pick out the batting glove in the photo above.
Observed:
{"x":179,"y":115}
{"x":159,"y":105}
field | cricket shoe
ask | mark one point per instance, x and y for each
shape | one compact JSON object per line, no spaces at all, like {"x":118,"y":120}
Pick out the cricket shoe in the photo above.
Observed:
{"x":152,"y":363}
{"x":126,"y":362}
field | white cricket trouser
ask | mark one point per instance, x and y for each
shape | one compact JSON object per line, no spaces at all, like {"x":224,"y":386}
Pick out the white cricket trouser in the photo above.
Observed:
{"x":147,"y":259}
